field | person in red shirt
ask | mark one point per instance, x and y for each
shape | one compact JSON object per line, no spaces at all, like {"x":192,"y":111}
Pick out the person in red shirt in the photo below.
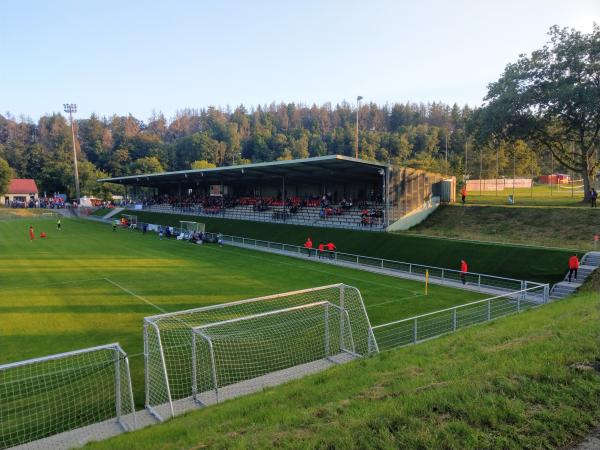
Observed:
{"x":573,"y":266}
{"x":331,"y":249}
{"x":463,"y":271}
{"x":31,"y":233}
{"x":321,"y":248}
{"x":463,"y":194}
{"x":308,"y":245}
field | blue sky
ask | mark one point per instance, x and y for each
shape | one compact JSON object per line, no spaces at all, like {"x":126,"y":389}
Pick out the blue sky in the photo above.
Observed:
{"x":135,"y":57}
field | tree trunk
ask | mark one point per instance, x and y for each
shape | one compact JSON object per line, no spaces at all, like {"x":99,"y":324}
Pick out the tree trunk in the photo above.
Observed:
{"x":587,"y":174}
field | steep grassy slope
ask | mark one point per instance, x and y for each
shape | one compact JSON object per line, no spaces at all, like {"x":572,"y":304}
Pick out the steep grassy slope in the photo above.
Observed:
{"x":536,"y":264}
{"x":527,"y":381}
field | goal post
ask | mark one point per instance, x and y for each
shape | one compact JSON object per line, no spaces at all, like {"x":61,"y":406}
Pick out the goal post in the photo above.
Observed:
{"x":45,"y":396}
{"x":131,"y":220}
{"x":188,"y":228}
{"x":240,"y":355}
{"x":275,"y":336}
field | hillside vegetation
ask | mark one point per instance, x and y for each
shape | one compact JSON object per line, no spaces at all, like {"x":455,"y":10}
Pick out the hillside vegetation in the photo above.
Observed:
{"x":536,"y":264}
{"x":527,"y":381}
{"x":572,"y":228}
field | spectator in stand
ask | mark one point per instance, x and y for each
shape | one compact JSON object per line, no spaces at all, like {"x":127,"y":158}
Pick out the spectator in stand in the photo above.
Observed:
{"x":331,"y":249}
{"x":463,"y":194}
{"x":573,"y":266}
{"x":463,"y":271}
{"x":321,"y":248}
{"x":308,"y":245}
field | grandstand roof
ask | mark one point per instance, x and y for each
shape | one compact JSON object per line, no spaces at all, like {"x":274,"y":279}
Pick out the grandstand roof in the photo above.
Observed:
{"x":22,"y":186}
{"x":300,"y":170}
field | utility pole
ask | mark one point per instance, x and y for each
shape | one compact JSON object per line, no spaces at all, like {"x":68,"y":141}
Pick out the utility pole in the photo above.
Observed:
{"x":71,"y":108}
{"x":358,"y":99}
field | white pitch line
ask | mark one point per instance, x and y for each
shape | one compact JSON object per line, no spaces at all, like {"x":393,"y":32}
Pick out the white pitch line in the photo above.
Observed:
{"x":124,"y":289}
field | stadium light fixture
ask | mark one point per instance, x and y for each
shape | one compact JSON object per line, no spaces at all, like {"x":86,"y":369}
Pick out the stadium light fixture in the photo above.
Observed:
{"x":358,"y":99}
{"x":71,"y":108}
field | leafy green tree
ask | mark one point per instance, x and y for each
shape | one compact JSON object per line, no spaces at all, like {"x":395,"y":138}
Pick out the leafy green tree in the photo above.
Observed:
{"x":148,"y":164}
{"x":550,"y":99}
{"x":202,"y":164}
{"x":6,"y":174}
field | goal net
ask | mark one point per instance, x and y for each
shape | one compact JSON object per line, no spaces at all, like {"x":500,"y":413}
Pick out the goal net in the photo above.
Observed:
{"x":209,"y":354}
{"x":189,"y":228}
{"x":45,"y":396}
{"x":129,"y":220}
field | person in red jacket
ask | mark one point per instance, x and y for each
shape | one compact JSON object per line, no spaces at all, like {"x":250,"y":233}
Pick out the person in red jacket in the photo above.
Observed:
{"x":463,"y":271}
{"x":308,"y":245}
{"x":573,"y":266}
{"x":31,"y":233}
{"x":321,"y":248}
{"x":331,"y":249}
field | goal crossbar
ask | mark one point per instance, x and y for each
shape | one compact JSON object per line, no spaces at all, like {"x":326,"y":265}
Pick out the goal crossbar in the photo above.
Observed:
{"x":265,"y":314}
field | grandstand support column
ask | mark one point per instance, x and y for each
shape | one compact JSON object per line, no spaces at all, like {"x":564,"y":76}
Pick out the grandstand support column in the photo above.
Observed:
{"x":283,"y":197}
{"x":387,"y":196}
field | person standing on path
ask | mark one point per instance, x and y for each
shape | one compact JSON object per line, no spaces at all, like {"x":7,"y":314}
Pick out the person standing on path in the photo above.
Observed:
{"x":308,"y":245}
{"x":573,"y":266}
{"x":463,"y":271}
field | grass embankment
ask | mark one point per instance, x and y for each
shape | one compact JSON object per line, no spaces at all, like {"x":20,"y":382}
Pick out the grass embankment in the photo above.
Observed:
{"x":541,"y":195}
{"x":536,"y":264}
{"x":553,"y":227}
{"x":101,"y":212}
{"x":526,"y":381}
{"x":56,"y":295}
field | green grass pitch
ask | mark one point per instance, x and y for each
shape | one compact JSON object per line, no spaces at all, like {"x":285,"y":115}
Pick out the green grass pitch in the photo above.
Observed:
{"x":87,"y":285}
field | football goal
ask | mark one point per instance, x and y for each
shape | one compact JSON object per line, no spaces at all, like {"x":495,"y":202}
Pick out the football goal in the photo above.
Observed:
{"x":59,"y":393}
{"x":189,"y":228}
{"x":206,"y":355}
{"x":129,"y":220}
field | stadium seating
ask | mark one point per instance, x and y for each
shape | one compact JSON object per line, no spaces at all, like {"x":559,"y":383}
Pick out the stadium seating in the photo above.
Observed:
{"x":353,"y":218}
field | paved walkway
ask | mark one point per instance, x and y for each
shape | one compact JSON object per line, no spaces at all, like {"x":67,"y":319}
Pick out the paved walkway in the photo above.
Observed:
{"x":469,"y":286}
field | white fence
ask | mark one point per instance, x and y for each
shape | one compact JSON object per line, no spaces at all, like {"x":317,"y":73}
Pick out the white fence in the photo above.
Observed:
{"x":54,"y":394}
{"x":427,"y":326}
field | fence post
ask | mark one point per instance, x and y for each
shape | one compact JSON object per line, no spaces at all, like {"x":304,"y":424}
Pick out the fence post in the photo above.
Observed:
{"x":415,"y":331}
{"x":410,"y":268}
{"x":479,"y":282}
{"x":454,"y":320}
{"x":546,"y":298}
{"x":382,"y":263}
{"x":357,"y":263}
{"x":519,"y":303}
{"x":489,"y":309}
{"x":442,"y":275}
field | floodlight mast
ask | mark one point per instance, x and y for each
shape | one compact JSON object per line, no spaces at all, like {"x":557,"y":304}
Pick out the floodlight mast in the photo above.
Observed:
{"x":358,"y":99}
{"x":71,"y":108}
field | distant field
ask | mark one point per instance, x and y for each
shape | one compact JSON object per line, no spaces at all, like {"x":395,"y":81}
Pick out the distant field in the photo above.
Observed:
{"x":56,"y":296}
{"x":540,"y":195}
{"x":536,"y":264}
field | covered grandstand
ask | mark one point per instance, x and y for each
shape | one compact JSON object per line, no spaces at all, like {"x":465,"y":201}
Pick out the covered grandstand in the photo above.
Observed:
{"x":331,"y":191}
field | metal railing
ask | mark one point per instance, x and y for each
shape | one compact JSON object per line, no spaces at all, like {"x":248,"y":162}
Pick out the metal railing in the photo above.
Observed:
{"x":437,"y":275}
{"x":423,"y":327}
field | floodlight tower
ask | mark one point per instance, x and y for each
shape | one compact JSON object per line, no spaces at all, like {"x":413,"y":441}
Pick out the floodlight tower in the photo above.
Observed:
{"x":71,"y":108}
{"x":358,"y":99}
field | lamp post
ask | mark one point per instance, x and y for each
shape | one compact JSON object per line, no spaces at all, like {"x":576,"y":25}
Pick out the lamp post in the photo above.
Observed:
{"x":71,"y":108}
{"x":358,"y":99}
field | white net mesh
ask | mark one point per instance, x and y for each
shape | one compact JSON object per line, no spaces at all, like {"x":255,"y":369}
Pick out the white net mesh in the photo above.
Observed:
{"x":189,"y":228}
{"x":54,"y":394}
{"x":277,"y":332}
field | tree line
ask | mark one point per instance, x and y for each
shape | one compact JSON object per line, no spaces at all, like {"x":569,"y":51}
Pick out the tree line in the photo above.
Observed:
{"x":542,"y":113}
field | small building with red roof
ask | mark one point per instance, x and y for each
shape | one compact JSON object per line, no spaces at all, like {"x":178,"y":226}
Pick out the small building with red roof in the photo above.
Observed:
{"x":21,"y":190}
